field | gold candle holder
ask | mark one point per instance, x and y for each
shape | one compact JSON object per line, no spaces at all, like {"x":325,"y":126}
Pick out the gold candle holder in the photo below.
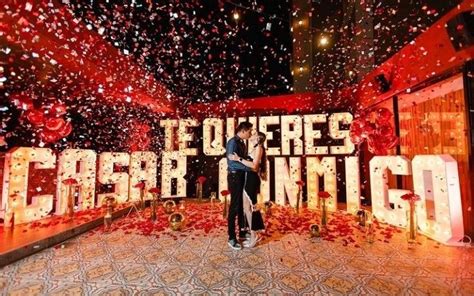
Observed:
{"x":108,"y":213}
{"x":411,"y":198}
{"x":225,"y":193}
{"x":300,"y":190}
{"x":315,"y":231}
{"x":176,"y":221}
{"x":324,"y":213}
{"x":169,"y":206}
{"x":370,"y":231}
{"x":268,"y":208}
{"x":199,"y":191}
{"x":70,"y":201}
{"x":155,"y":192}
{"x":153,"y":209}
{"x":412,"y":225}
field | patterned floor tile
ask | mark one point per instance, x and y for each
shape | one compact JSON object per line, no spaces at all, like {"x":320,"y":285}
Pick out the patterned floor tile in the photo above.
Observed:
{"x":432,"y":286}
{"x":203,"y":264}
{"x":387,"y":285}
{"x":338,"y":284}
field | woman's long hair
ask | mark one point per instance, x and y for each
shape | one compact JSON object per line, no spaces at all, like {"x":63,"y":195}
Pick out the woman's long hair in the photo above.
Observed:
{"x":262,"y":168}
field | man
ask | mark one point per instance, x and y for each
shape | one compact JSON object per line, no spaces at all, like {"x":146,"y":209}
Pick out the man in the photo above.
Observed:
{"x":236,"y":181}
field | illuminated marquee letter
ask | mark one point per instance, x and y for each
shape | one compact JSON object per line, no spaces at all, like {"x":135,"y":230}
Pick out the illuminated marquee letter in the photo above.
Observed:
{"x":336,"y":133}
{"x":223,"y":185}
{"x":213,"y":137}
{"x":169,"y":125}
{"x":315,"y":169}
{"x":264,"y":122}
{"x":173,"y":166}
{"x":352,"y":183}
{"x":286,"y":178}
{"x":382,"y":197}
{"x":142,"y":169}
{"x":295,"y":134}
{"x":435,"y":177}
{"x":310,"y":134}
{"x":185,"y":137}
{"x":15,"y":184}
{"x":106,"y":175}
{"x":67,"y":168}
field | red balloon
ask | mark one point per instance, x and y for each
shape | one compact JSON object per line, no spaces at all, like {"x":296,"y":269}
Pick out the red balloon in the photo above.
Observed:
{"x":392,"y":141}
{"x":356,"y":138}
{"x":376,"y":146}
{"x":65,"y":130}
{"x":35,"y":116}
{"x":54,"y":124}
{"x":383,"y":115}
{"x":367,"y":131}
{"x":357,"y":125}
{"x":22,"y":101}
{"x":49,"y":136}
{"x":384,"y":129}
{"x":58,"y":110}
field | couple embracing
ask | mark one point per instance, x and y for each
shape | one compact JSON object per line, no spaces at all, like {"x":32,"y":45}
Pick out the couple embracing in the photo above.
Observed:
{"x":245,"y":169}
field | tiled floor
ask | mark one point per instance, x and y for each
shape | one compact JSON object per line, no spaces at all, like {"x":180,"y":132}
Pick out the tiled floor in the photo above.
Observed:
{"x":195,"y":263}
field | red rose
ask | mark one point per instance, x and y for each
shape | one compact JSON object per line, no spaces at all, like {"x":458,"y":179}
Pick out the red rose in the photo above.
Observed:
{"x":410,"y":197}
{"x":154,"y":190}
{"x":70,"y":181}
{"x":201,"y":180}
{"x":225,"y":192}
{"x":324,"y":194}
{"x":139,"y":185}
{"x":300,"y":183}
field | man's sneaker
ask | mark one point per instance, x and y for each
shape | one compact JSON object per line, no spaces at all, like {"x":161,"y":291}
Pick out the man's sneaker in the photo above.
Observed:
{"x":244,"y":235}
{"x":234,"y":244}
{"x":252,"y":243}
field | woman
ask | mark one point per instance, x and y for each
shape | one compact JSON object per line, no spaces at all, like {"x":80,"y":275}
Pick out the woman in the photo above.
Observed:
{"x":258,"y":164}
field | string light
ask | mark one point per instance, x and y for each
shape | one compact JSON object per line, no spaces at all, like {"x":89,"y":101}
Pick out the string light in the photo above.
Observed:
{"x":236,"y":15}
{"x":323,"y":41}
